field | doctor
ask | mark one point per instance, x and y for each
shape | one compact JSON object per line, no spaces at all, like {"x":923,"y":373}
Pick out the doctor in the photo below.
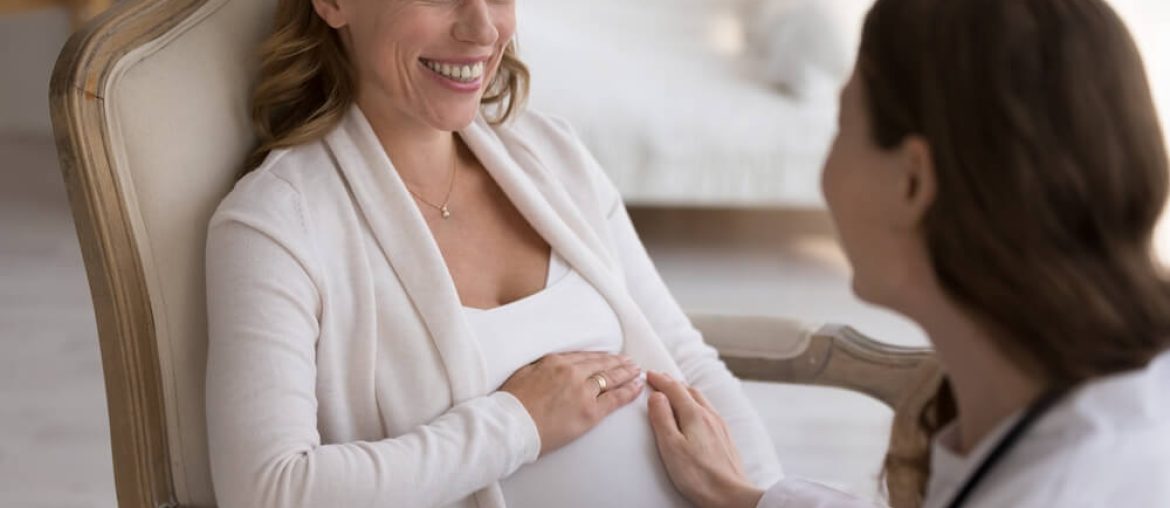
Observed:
{"x":997,"y":177}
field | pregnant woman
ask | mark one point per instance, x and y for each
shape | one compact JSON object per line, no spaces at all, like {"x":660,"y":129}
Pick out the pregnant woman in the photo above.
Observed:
{"x":422,"y":294}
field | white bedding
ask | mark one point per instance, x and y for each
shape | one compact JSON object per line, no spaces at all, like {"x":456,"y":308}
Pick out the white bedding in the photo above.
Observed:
{"x":659,"y":92}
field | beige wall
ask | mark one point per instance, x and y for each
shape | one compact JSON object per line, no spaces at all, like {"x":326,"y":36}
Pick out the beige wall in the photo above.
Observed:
{"x":29,"y":44}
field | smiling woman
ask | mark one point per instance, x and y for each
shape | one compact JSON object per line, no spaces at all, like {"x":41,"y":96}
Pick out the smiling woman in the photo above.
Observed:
{"x":423,"y":294}
{"x":307,"y":81}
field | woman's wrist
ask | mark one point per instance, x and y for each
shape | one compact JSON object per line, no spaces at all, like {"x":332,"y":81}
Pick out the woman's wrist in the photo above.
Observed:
{"x":745,"y":496}
{"x":529,"y":431}
{"x":732,"y":494}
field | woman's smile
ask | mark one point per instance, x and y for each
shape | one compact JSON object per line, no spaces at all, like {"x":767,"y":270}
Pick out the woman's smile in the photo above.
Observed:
{"x":461,"y":75}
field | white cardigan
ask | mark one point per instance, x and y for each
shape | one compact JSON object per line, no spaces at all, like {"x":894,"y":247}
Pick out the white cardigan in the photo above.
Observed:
{"x":341,"y":372}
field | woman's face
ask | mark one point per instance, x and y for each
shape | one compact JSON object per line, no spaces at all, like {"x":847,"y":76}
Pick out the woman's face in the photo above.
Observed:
{"x":426,"y":61}
{"x":878,"y":198}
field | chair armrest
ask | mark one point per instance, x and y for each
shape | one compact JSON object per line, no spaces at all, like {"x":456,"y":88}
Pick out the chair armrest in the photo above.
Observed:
{"x":761,"y":348}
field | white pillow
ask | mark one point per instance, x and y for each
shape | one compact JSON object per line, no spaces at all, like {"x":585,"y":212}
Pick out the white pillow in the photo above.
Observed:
{"x":806,"y":47}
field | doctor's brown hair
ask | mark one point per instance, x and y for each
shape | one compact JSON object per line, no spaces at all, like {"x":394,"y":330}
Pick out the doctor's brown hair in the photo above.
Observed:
{"x":306,"y":82}
{"x":1051,"y":174}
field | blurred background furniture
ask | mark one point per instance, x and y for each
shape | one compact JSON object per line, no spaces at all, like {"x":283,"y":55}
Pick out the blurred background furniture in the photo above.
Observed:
{"x":697,"y":103}
{"x":80,"y":11}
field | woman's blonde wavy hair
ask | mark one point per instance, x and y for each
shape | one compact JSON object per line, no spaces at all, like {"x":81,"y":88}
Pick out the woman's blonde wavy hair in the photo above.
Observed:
{"x":306,"y":82}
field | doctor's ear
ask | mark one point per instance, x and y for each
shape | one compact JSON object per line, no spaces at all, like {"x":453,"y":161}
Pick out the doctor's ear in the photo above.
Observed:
{"x":330,"y":11}
{"x":917,"y":184}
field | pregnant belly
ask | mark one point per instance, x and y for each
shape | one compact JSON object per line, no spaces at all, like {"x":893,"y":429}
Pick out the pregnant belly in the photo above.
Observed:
{"x":614,"y":465}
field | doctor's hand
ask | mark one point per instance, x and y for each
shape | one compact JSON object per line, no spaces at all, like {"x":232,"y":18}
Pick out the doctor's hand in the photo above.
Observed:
{"x":696,"y":447}
{"x":567,"y":394}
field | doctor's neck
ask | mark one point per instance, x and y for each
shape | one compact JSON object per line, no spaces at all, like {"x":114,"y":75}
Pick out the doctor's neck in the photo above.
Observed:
{"x":988,"y":386}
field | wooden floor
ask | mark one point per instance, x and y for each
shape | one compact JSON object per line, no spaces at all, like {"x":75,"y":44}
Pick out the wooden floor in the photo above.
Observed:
{"x":54,"y":437}
{"x":54,"y":449}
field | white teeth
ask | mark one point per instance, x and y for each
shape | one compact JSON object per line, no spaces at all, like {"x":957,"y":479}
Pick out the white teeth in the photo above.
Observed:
{"x":466,"y":73}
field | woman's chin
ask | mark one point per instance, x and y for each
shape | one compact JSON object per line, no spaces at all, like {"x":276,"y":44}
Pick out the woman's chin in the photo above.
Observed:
{"x":456,"y":119}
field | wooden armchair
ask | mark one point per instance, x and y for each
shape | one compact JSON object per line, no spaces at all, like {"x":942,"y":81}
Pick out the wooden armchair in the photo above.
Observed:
{"x":150,"y":110}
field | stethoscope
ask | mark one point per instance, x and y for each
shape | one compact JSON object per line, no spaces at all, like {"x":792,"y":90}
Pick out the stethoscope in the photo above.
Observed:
{"x":1013,"y":436}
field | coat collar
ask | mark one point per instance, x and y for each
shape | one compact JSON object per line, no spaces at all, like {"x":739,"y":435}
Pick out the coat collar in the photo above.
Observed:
{"x":553,"y":213}
{"x":543,"y":203}
{"x":408,"y":245}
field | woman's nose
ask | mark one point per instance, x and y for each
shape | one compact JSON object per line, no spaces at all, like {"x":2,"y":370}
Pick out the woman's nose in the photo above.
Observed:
{"x":475,"y":24}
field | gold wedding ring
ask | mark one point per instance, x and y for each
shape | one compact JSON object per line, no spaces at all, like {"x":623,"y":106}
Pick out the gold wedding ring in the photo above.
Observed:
{"x":602,"y":384}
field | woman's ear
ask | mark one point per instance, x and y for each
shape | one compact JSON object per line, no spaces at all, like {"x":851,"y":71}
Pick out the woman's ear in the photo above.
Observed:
{"x":918,"y":180}
{"x":330,"y":12}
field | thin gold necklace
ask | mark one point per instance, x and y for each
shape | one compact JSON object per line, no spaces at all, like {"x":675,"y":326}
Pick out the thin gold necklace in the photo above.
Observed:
{"x":444,"y":211}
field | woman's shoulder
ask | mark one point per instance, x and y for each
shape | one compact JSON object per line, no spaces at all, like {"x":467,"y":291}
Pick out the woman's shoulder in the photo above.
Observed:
{"x":286,"y":173}
{"x":536,"y":124}
{"x":555,"y":142}
{"x":549,"y":135}
{"x":1117,"y":471}
{"x":1105,"y":446}
{"x":303,"y":167}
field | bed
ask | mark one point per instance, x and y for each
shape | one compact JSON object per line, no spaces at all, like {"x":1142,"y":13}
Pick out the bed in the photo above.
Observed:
{"x":666,"y":95}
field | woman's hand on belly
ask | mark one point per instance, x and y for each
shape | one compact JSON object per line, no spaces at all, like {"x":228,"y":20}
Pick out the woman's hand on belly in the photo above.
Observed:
{"x":567,"y":394}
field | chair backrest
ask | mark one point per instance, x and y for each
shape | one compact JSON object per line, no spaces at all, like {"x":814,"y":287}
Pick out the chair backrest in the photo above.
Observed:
{"x":150,"y":109}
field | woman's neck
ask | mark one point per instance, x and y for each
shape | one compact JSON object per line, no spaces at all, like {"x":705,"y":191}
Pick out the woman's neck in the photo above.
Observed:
{"x":421,"y":154}
{"x":988,"y":387}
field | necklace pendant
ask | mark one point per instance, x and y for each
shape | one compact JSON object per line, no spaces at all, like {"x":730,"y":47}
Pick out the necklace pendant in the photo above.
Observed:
{"x":446,"y":213}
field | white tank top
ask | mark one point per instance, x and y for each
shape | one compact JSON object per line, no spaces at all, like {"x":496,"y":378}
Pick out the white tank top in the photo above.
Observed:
{"x":614,"y":465}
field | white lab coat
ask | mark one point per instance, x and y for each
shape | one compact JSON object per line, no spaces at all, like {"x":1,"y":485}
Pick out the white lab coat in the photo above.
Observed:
{"x":1107,"y":444}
